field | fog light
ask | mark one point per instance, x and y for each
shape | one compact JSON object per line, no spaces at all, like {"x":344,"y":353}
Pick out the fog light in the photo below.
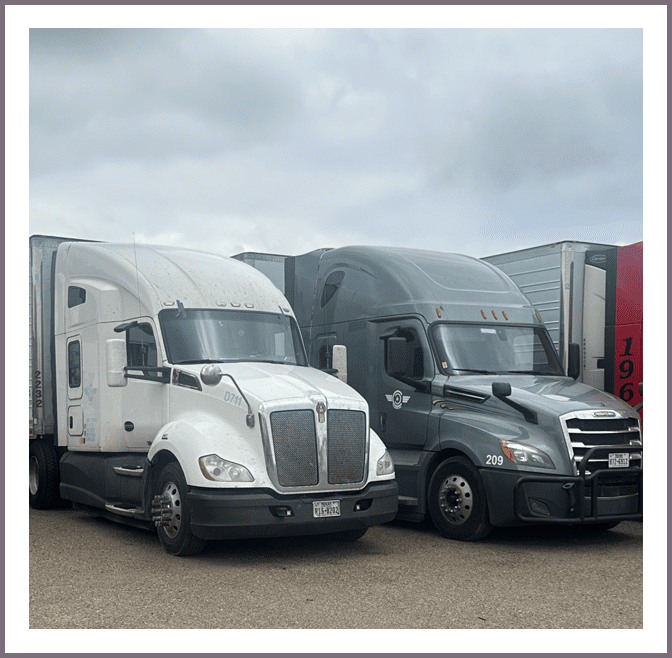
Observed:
{"x":282,"y":512}
{"x":539,"y":507}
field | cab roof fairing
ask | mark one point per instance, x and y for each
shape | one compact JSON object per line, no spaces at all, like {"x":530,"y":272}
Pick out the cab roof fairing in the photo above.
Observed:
{"x":385,"y":281}
{"x":159,"y":274}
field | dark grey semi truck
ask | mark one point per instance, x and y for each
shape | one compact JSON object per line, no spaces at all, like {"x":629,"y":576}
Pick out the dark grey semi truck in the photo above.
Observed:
{"x":465,"y":388}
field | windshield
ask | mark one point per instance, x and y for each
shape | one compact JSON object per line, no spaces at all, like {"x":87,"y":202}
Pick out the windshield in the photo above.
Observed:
{"x":496,"y":349}
{"x":205,"y":336}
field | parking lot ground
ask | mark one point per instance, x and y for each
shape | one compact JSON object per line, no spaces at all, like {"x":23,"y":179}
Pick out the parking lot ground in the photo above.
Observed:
{"x":88,"y":572}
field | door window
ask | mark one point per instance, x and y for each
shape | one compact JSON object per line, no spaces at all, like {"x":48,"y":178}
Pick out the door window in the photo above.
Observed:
{"x":415,"y":360}
{"x":142,"y":354}
{"x":141,"y":346}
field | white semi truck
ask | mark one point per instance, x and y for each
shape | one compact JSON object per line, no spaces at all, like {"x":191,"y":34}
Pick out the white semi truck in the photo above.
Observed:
{"x":170,"y":389}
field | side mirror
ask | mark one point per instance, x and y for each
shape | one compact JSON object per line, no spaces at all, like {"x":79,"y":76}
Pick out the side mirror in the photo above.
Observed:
{"x":501,"y":389}
{"x":639,"y":406}
{"x":574,"y":361}
{"x":340,"y":362}
{"x":211,"y":374}
{"x":115,"y":349}
{"x":397,"y":356}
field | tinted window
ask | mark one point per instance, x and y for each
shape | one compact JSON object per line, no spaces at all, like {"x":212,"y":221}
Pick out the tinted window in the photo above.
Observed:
{"x":331,"y":286}
{"x":141,"y":346}
{"x":74,"y":365}
{"x":415,"y":362}
{"x":498,"y":349}
{"x":76,"y":296}
{"x":203,"y":336}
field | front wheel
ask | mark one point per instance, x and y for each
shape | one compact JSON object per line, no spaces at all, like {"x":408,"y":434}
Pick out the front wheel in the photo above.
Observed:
{"x":175,"y":530}
{"x":457,"y":502}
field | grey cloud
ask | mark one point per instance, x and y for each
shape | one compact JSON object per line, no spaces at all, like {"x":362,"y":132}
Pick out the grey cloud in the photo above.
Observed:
{"x":357,"y":132}
{"x":130,"y":99}
{"x":525,"y":134}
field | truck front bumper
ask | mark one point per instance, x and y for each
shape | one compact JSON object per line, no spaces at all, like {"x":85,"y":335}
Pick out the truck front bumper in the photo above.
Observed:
{"x":600,"y":497}
{"x":244,"y":513}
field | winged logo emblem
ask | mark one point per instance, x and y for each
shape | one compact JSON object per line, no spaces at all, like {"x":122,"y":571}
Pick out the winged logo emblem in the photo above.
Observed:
{"x":397,"y":399}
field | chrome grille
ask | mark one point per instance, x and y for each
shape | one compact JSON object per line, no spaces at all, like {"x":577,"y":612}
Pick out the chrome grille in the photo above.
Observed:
{"x":295,"y":447}
{"x":602,"y":424}
{"x":346,"y":440}
{"x":313,"y":450}
{"x":584,"y":432}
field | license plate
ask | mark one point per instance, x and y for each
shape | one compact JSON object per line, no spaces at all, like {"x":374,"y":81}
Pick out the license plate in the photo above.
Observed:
{"x":619,"y":459}
{"x":322,"y":508}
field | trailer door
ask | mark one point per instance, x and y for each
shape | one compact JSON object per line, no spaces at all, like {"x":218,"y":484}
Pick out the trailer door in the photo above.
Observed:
{"x":594,"y":297}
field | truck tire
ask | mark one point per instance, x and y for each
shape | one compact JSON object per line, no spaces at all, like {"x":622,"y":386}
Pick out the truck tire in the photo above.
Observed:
{"x":176,"y":536}
{"x":457,"y":502}
{"x":44,"y":478}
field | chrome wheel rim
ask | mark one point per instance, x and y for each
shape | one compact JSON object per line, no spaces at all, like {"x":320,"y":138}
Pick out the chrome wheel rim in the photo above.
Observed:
{"x":173,"y":526}
{"x":456,"y":500}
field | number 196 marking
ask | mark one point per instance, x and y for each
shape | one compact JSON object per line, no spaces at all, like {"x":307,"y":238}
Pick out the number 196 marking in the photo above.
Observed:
{"x":494,"y":460}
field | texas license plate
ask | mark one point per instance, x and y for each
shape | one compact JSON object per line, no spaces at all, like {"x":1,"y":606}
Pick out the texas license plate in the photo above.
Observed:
{"x":619,"y":459}
{"x":322,"y":508}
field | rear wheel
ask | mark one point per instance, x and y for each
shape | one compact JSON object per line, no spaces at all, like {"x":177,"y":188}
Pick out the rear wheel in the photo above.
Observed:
{"x":175,"y":530}
{"x":457,"y":502}
{"x":43,"y":475}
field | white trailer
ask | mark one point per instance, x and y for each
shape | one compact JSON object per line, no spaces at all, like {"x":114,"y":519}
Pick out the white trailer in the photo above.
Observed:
{"x":589,"y":294}
{"x":170,"y":389}
{"x":559,"y":280}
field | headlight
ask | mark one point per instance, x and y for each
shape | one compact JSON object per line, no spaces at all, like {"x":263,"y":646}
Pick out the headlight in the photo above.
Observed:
{"x":524,"y":455}
{"x":215,"y":468}
{"x":385,"y":466}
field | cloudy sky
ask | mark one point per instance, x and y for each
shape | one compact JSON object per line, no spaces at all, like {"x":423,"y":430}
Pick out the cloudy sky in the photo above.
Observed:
{"x":285,"y":140}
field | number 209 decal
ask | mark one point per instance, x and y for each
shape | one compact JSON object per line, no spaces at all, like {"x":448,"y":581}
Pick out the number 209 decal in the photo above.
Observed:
{"x":494,"y":460}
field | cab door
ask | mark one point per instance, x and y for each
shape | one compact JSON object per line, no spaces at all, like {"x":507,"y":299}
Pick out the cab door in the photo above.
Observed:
{"x":403,"y":402}
{"x":402,"y":405}
{"x":144,"y":398}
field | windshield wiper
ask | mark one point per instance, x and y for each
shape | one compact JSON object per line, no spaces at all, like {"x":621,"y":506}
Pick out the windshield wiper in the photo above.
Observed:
{"x":253,"y":360}
{"x":479,"y":372}
{"x":196,"y":361}
{"x":530,"y":372}
{"x":240,"y":359}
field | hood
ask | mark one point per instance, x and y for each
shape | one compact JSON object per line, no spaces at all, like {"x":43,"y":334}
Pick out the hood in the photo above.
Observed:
{"x":546,"y":395}
{"x":232,"y":418}
{"x":270,"y":382}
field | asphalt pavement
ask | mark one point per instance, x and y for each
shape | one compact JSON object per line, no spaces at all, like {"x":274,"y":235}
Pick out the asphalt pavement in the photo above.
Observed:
{"x":89,"y":573}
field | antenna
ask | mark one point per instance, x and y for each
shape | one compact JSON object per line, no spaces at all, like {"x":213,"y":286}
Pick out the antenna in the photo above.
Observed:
{"x":137,"y":287}
{"x":137,"y":278}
